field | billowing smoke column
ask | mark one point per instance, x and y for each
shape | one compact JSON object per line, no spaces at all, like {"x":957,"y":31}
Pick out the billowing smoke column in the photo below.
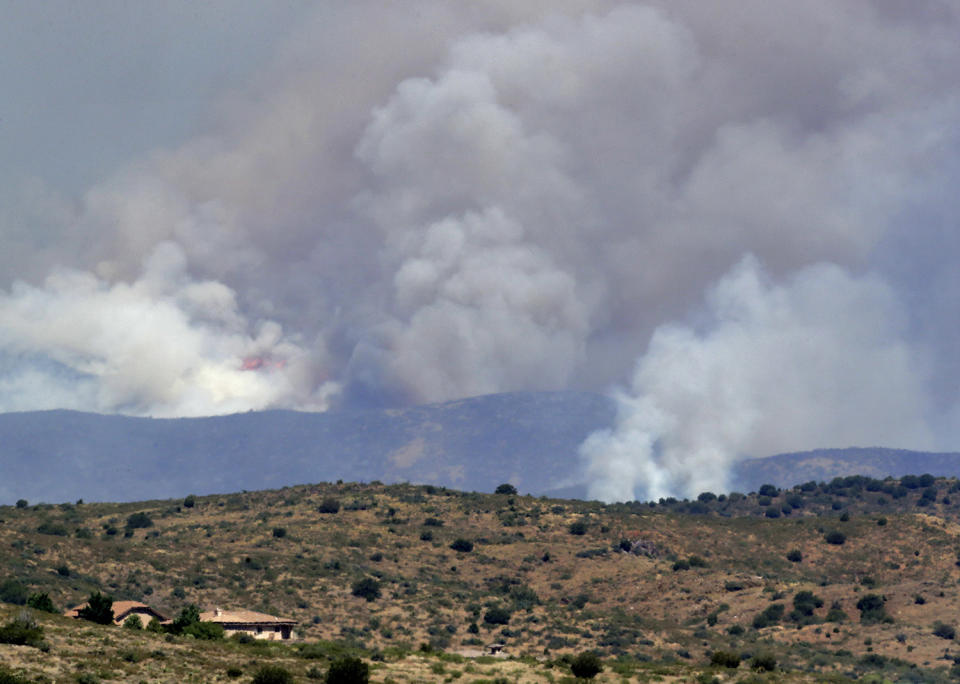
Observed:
{"x":461,"y":198}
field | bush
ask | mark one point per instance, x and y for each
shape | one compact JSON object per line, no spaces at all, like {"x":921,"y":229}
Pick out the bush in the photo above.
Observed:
{"x":587,"y":665}
{"x":872,"y":609}
{"x":22,"y":631}
{"x":207,"y":631}
{"x":10,"y":677}
{"x":233,"y":672}
{"x":725,"y":659}
{"x":768,"y":490}
{"x":329,"y":505}
{"x":794,"y":556}
{"x":41,"y":602}
{"x":771,"y":615}
{"x":348,"y":671}
{"x":578,"y":527}
{"x":22,"y":503}
{"x":433,"y":522}
{"x":835,"y":537}
{"x":99,"y":609}
{"x":366,"y":588}
{"x":279,"y":532}
{"x":732,"y":585}
{"x":190,"y":502}
{"x":506,"y":488}
{"x":272,"y":674}
{"x":805,"y":602}
{"x":189,"y":616}
{"x":835,"y":614}
{"x":497,"y":616}
{"x":944,"y":631}
{"x":763,"y":663}
{"x":462,"y":545}
{"x":681,"y":565}
{"x":133,"y":622}
{"x":139,"y":521}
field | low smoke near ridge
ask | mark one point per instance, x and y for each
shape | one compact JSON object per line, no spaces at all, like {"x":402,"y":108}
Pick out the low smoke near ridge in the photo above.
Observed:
{"x":742,"y":214}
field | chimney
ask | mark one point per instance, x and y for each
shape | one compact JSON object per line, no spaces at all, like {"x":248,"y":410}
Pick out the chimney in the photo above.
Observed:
{"x":217,"y":612}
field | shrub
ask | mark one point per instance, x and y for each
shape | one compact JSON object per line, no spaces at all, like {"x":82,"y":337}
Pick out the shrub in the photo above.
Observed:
{"x":794,"y":555}
{"x":329,"y":505}
{"x":771,"y":615}
{"x":587,"y":665}
{"x":497,"y":615}
{"x":763,"y":663}
{"x":22,"y":631}
{"x":725,"y":659}
{"x":10,"y":677}
{"x":348,"y":671}
{"x":22,"y":503}
{"x":772,"y":512}
{"x":835,"y":537}
{"x":462,"y":545}
{"x":366,"y":588}
{"x":233,"y":672}
{"x":272,"y":674}
{"x":735,"y":630}
{"x":872,"y":609}
{"x":426,"y":535}
{"x":433,"y":522}
{"x":99,"y":609}
{"x":697,"y":562}
{"x":139,"y":521}
{"x":506,"y":488}
{"x":52,"y":528}
{"x":279,"y":532}
{"x":804,"y":603}
{"x":41,"y":602}
{"x":835,"y":614}
{"x":578,"y":527}
{"x":768,"y":490}
{"x":190,"y":502}
{"x":944,"y":631}
{"x":681,"y":565}
{"x":732,"y":585}
{"x":133,"y":622}
{"x":207,"y":631}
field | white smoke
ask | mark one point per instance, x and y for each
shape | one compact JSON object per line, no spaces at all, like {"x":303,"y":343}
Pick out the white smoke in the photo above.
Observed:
{"x":819,"y":361}
{"x":460,"y":198}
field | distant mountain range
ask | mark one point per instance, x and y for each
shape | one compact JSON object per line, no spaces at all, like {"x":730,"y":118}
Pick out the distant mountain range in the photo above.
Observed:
{"x":527,"y":438}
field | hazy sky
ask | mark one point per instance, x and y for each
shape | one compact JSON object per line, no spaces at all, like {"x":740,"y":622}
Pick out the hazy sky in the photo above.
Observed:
{"x":739,"y":216}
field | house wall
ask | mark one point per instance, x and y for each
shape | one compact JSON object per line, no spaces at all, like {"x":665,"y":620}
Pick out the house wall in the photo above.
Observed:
{"x":269,"y":632}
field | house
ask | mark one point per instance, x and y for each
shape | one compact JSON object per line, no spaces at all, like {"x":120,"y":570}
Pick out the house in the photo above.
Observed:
{"x":495,"y":649}
{"x":124,"y":610}
{"x":257,"y":625}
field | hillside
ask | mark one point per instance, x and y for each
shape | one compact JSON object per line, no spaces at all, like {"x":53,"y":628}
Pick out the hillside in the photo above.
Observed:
{"x":655,"y":589}
{"x":528,"y":438}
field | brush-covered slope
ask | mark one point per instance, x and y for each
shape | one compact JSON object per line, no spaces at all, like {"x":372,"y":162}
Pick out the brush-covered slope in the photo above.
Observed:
{"x":655,"y":590}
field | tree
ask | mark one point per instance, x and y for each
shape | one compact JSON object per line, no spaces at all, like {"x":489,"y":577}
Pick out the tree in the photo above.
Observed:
{"x":506,"y":488}
{"x":41,"y":602}
{"x":587,"y":665}
{"x":99,"y":609}
{"x":872,"y":609}
{"x":497,"y":616}
{"x":189,"y":616}
{"x":366,"y":588}
{"x":190,"y":501}
{"x":22,"y":503}
{"x":348,"y":671}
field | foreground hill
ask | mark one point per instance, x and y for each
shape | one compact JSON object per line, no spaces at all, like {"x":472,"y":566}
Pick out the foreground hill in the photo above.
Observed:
{"x":830,"y":581}
{"x":527,"y":438}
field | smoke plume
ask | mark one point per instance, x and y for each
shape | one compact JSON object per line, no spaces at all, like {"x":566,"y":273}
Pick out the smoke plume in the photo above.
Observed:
{"x":420,"y":202}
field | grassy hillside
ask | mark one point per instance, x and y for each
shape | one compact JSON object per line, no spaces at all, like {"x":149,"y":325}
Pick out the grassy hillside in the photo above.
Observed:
{"x":656,"y":590}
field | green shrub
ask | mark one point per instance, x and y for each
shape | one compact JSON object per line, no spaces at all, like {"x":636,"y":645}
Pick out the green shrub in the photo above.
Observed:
{"x":366,"y":588}
{"x":794,"y":556}
{"x":433,"y":522}
{"x":506,"y":488}
{"x":681,"y":565}
{"x":835,"y":537}
{"x":462,"y":545}
{"x":764,"y":662}
{"x":22,"y":631}
{"x":835,"y":614}
{"x":732,"y":585}
{"x":233,"y":672}
{"x":190,"y":502}
{"x":497,"y":615}
{"x":52,"y":528}
{"x":771,"y":615}
{"x":587,"y":665}
{"x":944,"y":631}
{"x":725,"y":659}
{"x":279,"y":532}
{"x":138,"y":521}
{"x":10,"y":677}
{"x":208,"y":631}
{"x":41,"y":602}
{"x":272,"y":674}
{"x":133,"y":622}
{"x":872,"y":609}
{"x":348,"y":671}
{"x":22,"y":503}
{"x":329,"y":505}
{"x":577,"y":527}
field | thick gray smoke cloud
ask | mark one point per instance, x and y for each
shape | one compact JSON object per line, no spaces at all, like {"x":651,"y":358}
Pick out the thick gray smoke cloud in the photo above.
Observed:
{"x":431,"y":200}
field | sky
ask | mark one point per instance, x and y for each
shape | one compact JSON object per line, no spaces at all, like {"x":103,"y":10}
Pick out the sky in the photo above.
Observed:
{"x":738,"y":218}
